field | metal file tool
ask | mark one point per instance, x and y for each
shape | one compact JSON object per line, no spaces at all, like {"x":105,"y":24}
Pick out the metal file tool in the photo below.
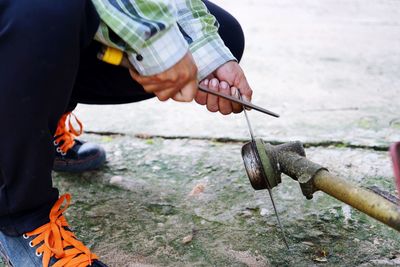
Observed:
{"x":238,"y":101}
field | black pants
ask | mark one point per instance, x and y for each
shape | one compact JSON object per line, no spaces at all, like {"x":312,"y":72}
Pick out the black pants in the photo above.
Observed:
{"x":48,"y":64}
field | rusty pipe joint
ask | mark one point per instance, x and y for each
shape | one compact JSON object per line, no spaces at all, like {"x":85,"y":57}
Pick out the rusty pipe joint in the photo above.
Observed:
{"x":264,"y":164}
{"x":293,"y":162}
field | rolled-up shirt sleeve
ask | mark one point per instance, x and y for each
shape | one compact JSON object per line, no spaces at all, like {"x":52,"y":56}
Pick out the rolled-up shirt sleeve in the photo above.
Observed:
{"x":156,"y":34}
{"x":146,"y":30}
{"x":207,"y":47}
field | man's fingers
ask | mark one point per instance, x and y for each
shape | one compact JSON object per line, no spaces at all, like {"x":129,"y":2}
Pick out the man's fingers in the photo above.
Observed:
{"x":236,"y":108}
{"x":150,"y":83}
{"x":212,"y":100}
{"x":247,"y":96}
{"x":245,"y":89}
{"x":143,"y":80}
{"x":234,"y":75}
{"x":134,"y":74}
{"x":165,"y":93}
{"x":169,"y":82}
{"x":187,"y":93}
{"x":201,"y":97}
{"x":225,"y":106}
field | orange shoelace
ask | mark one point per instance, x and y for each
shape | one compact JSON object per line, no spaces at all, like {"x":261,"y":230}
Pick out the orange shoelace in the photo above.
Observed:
{"x":66,"y":133}
{"x":57,"y":241}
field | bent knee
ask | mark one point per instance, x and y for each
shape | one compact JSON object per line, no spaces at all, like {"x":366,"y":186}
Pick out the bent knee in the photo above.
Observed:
{"x":48,"y":16}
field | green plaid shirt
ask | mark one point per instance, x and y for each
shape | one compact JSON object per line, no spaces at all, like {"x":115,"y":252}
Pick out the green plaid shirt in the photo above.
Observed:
{"x":156,"y":34}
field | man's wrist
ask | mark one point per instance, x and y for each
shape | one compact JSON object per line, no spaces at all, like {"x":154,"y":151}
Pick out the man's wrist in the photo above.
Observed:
{"x":209,"y":53}
{"x":160,"y":53}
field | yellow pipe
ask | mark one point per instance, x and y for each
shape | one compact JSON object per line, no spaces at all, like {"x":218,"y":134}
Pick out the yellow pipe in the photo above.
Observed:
{"x":362,"y":199}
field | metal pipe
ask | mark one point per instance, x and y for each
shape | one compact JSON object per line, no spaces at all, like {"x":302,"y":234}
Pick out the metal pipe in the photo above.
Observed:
{"x":290,"y":159}
{"x":362,"y":199}
{"x":313,"y":177}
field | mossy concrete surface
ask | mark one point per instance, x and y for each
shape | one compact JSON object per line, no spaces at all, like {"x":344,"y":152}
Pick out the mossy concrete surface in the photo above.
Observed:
{"x":187,"y":202}
{"x":331,"y":70}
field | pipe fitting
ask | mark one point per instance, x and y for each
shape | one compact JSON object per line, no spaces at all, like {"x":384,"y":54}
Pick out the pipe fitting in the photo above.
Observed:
{"x":264,"y":164}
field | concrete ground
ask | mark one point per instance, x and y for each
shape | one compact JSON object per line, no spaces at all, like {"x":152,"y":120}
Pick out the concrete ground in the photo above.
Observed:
{"x":177,"y":197}
{"x":187,"y":202}
{"x":173,"y":194}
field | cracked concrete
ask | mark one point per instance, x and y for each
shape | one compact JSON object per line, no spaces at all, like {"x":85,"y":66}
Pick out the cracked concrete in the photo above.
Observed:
{"x":331,"y":69}
{"x":154,"y":193}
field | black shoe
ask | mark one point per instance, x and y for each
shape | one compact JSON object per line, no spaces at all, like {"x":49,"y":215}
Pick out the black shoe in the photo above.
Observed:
{"x":52,"y":244}
{"x":73,"y":155}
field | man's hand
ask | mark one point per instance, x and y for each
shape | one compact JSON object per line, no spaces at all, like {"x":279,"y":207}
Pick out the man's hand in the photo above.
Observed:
{"x":178,"y":82}
{"x":226,"y":79}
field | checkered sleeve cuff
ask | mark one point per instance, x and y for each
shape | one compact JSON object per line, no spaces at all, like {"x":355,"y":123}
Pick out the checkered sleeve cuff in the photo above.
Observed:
{"x":209,"y":53}
{"x":160,"y":53}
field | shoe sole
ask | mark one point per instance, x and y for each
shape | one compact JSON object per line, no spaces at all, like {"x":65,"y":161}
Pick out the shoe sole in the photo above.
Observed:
{"x":95,"y":162}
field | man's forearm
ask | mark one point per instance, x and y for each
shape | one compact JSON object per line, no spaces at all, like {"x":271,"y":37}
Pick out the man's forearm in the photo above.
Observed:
{"x":148,"y":32}
{"x":206,"y":46}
